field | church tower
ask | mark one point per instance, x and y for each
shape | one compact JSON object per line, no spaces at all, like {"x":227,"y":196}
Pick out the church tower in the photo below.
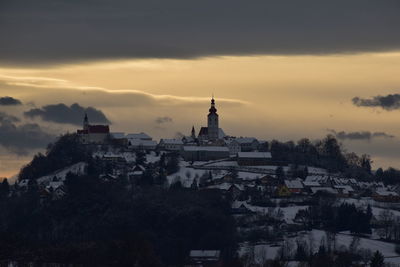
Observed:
{"x":213,"y":124}
{"x":86,"y":123}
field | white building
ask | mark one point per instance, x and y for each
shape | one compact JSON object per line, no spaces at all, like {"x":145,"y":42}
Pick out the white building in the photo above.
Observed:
{"x":248,"y":143}
{"x":140,"y":136}
{"x":204,"y":153}
{"x":171,"y":144}
{"x":233,"y":146}
{"x":142,"y":144}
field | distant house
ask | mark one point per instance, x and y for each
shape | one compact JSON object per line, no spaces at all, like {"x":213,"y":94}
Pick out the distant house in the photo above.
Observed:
{"x":204,"y":258}
{"x":233,"y":146}
{"x":235,"y":190}
{"x":142,"y":144}
{"x":383,"y":195}
{"x":329,"y":190}
{"x":136,"y":173}
{"x":119,"y":138}
{"x":294,"y":186}
{"x":254,"y":158}
{"x":344,"y":190}
{"x":283,"y":191}
{"x":247,"y":144}
{"x":114,"y":157}
{"x":171,"y":144}
{"x":204,"y":153}
{"x":140,"y":136}
{"x":240,"y":208}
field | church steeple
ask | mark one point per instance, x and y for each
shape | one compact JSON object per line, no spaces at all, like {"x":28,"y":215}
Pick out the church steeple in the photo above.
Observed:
{"x":193,"y":135}
{"x":213,"y":124}
{"x":212,"y":108}
{"x":85,"y":122}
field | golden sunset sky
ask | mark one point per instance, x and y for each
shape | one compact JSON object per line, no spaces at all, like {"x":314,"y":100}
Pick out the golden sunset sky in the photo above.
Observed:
{"x":272,"y":77}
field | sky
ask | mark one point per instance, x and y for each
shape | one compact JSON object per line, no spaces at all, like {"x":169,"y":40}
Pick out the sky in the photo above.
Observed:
{"x":278,"y":69}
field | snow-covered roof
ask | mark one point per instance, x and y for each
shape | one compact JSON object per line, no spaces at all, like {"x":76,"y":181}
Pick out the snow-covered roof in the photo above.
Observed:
{"x":55,"y":185}
{"x":138,"y":136}
{"x":140,"y":142}
{"x":23,"y":182}
{"x":226,"y":186}
{"x":260,"y":155}
{"x":294,"y":184}
{"x":118,"y":135}
{"x":204,"y":253}
{"x":171,"y":141}
{"x":386,"y":193}
{"x":316,"y":178}
{"x":347,"y":188}
{"x":323,"y":189}
{"x":353,"y":181}
{"x":311,"y":184}
{"x":206,"y":148}
{"x":245,"y":140}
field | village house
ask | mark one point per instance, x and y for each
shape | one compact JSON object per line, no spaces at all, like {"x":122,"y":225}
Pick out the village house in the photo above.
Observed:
{"x":204,"y":258}
{"x":233,"y":146}
{"x":254,"y":158}
{"x":170,"y":144}
{"x":119,"y":138}
{"x":140,"y":144}
{"x":247,"y":144}
{"x":234,"y":190}
{"x":139,"y":136}
{"x":204,"y":153}
{"x":383,"y":195}
{"x":294,"y":186}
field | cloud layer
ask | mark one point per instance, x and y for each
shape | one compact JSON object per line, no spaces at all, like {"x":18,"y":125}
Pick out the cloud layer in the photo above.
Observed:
{"x":61,"y":113}
{"x":9,"y":101}
{"x":388,"y":102}
{"x":162,"y":120}
{"x":20,"y":139}
{"x":362,"y":135}
{"x":90,"y":30}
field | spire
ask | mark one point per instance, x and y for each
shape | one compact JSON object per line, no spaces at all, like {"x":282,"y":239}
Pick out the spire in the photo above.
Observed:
{"x":193,"y":135}
{"x":85,"y":122}
{"x":212,"y":108}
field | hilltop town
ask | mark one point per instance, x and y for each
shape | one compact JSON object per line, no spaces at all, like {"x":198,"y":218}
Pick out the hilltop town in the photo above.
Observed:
{"x":281,"y":195}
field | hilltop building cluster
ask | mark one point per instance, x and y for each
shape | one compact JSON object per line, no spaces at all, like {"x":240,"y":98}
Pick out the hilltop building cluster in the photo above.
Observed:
{"x":211,"y":143}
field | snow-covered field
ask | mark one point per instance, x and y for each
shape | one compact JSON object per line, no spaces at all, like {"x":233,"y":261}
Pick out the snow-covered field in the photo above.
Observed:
{"x":78,"y":168}
{"x":269,"y":251}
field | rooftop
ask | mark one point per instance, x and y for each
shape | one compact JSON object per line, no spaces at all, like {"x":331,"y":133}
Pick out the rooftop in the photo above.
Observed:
{"x":265,"y":155}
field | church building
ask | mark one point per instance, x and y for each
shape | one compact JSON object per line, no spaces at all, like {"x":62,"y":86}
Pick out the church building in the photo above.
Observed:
{"x":212,"y":132}
{"x":93,"y":134}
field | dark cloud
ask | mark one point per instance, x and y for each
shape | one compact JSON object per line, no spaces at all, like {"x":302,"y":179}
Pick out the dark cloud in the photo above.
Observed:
{"x":53,"y":31}
{"x":9,"y":101}
{"x":388,"y":102}
{"x":62,"y":113}
{"x":7,"y":118}
{"x":363,"y":135}
{"x":161,"y":120}
{"x":20,"y":139}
